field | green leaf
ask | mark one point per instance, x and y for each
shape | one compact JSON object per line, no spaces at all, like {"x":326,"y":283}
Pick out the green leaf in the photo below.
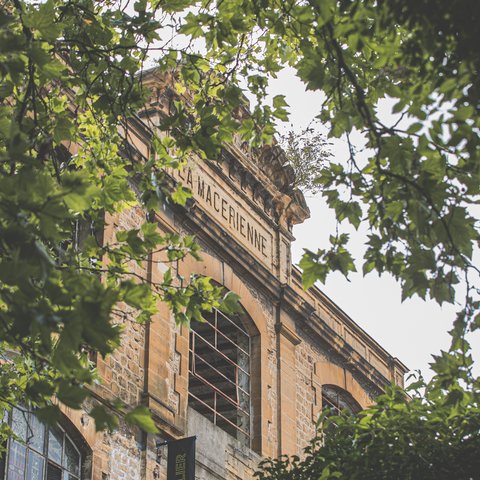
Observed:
{"x":181,"y":194}
{"x":104,"y":420}
{"x":142,"y":417}
{"x":135,"y":294}
{"x":231,"y":303}
{"x":279,"y":101}
{"x":464,"y":112}
{"x":49,"y":414}
{"x":414,"y":127}
{"x":312,"y":269}
{"x":63,"y":130}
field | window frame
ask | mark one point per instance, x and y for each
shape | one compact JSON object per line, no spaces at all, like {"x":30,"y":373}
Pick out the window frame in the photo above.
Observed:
{"x":195,"y":358}
{"x":43,"y":453}
{"x":343,"y":400}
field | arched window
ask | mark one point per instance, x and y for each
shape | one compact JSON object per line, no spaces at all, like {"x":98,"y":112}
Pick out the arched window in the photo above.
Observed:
{"x":338,"y":399}
{"x":46,"y":453}
{"x":220,"y":386}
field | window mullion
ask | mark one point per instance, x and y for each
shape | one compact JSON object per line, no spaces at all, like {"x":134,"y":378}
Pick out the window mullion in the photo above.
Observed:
{"x":214,"y":407}
{"x":216,"y":329}
{"x":236,"y":385}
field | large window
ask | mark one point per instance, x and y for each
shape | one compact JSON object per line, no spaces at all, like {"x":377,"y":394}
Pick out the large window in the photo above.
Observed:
{"x":219,"y":373}
{"x":45,"y":452}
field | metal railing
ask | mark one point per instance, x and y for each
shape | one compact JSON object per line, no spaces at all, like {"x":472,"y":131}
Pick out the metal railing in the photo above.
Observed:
{"x":219,"y":370}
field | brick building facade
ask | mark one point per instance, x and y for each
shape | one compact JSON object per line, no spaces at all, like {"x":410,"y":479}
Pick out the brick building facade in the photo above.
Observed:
{"x":250,"y":385}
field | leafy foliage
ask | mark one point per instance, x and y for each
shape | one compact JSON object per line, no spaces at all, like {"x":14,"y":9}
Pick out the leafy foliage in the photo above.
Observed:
{"x":70,"y":80}
{"x":431,"y":431}
{"x":416,"y":184}
{"x":69,"y":85}
{"x":308,"y":153}
{"x":433,"y":435}
{"x":415,"y":188}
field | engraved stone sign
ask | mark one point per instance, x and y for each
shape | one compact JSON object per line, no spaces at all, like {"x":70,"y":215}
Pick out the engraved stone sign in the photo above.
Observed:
{"x":228,"y":209}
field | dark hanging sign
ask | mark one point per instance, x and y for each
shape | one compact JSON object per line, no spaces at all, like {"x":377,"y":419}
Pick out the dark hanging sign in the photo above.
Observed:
{"x":181,"y":459}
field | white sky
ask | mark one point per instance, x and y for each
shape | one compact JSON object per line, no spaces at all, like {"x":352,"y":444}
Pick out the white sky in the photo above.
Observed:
{"x":413,"y":330}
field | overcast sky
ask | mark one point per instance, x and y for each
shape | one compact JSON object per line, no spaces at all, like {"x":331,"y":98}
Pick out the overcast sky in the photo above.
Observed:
{"x":412,"y":330}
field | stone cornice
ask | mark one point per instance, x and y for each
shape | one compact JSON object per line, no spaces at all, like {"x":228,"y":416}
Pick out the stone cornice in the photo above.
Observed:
{"x":347,"y":321}
{"x":341,"y":334}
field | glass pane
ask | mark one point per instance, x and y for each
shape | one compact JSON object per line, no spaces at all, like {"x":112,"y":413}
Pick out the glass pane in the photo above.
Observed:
{"x":72,"y":457}
{"x":53,"y":472}
{"x":35,"y":466}
{"x":244,"y":401}
{"x":243,"y":380}
{"x":16,"y":461}
{"x":55,"y":444}
{"x":231,"y":327}
{"x":36,"y":434}
{"x":19,"y":423}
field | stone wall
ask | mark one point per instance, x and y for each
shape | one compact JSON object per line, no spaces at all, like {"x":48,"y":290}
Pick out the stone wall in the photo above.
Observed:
{"x":218,"y":455}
